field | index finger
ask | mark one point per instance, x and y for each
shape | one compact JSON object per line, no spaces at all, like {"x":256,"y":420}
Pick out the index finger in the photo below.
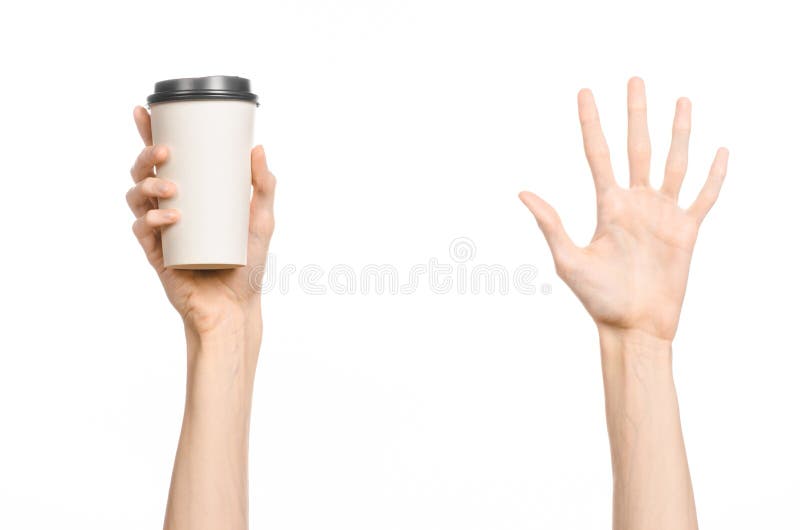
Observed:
{"x":594,"y":142}
{"x":142,"y":119}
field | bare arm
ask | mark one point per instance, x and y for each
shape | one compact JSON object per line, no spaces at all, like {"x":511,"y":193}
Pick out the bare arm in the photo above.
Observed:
{"x":209,"y":480}
{"x":221,"y":311}
{"x":652,"y":487}
{"x":632,"y":278}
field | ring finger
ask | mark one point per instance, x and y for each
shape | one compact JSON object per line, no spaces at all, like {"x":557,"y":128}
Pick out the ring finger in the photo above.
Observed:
{"x":145,"y":194}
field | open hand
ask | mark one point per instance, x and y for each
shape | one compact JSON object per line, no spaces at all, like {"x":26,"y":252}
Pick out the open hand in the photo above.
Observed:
{"x":632,"y":276}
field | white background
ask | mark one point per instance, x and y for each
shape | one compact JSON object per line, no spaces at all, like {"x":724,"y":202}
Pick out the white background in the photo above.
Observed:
{"x":393,"y":128}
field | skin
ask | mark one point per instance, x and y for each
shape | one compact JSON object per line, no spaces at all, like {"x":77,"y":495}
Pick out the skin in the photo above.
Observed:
{"x":222,"y":321}
{"x":632,"y":278}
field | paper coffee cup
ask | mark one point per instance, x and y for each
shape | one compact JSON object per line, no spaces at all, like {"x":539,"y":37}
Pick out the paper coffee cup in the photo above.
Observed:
{"x":207,"y":125}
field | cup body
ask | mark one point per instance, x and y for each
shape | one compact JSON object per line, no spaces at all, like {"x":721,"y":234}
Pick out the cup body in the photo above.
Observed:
{"x":209,"y":142}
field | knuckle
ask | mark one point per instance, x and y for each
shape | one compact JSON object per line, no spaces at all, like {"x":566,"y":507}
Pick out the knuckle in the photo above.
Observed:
{"x":144,"y":157}
{"x":640,"y":149}
{"x":148,"y":186}
{"x":678,"y":160}
{"x":153,"y":253}
{"x":675,"y":171}
{"x":151,"y":218}
{"x":129,"y":196}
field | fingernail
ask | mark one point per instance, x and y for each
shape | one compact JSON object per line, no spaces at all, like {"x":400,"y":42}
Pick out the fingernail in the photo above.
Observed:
{"x":170,"y":215}
{"x":163,"y":188}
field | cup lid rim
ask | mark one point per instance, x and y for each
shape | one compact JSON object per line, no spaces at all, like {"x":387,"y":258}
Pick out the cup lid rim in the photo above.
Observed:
{"x":209,"y":87}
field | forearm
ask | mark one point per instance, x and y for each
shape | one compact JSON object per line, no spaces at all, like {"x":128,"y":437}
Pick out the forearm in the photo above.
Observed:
{"x":209,"y":480}
{"x":652,"y":487}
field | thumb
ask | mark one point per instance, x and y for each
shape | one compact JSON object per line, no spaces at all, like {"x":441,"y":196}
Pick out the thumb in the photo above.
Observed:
{"x":262,"y":220}
{"x":561,"y":246}
{"x":263,"y":179}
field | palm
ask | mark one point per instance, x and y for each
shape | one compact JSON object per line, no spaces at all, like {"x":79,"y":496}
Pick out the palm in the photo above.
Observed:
{"x":206,"y":295}
{"x":633,"y":273}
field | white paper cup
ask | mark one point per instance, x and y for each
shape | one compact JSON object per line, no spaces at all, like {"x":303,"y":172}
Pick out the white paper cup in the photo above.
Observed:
{"x":207,"y":125}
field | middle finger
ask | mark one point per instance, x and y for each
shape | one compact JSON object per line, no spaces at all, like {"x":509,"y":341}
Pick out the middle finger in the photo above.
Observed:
{"x":638,"y":137}
{"x":150,"y":156}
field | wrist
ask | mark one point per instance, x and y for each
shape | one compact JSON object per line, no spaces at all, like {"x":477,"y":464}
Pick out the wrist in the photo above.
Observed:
{"x":633,"y":343}
{"x":634,"y":359}
{"x":232,"y":341}
{"x":637,"y":379}
{"x":222,"y":318}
